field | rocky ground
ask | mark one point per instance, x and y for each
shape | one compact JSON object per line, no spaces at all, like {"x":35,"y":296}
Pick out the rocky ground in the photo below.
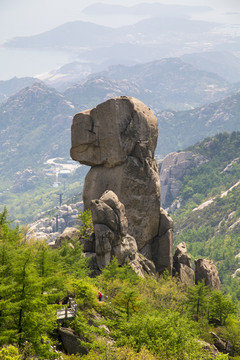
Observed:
{"x":49,"y":225}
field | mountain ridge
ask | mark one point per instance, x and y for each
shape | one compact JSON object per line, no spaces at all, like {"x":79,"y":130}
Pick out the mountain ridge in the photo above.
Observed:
{"x":203,"y":121}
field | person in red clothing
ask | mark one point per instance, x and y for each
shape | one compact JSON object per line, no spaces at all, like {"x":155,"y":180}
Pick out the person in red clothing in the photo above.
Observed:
{"x":99,"y":296}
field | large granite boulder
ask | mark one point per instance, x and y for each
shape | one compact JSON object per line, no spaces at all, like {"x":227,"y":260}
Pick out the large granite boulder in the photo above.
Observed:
{"x":108,"y":133}
{"x":207,"y":271}
{"x":117,"y":139}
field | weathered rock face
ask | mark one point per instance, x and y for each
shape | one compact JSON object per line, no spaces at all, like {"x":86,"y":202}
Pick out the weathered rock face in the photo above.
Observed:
{"x":181,"y":256}
{"x":71,"y":342}
{"x":207,"y":271}
{"x":73,"y":233}
{"x":118,"y":139}
{"x":173,"y":168}
{"x":111,"y":237}
{"x":137,"y":187}
{"x":162,"y":245}
{"x":107,"y":134}
{"x":182,"y":264}
{"x":68,"y":234}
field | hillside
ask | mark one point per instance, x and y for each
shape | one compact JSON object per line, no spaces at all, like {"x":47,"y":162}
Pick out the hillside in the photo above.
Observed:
{"x":135,"y":318}
{"x":208,"y":218}
{"x":35,"y":130}
{"x":162,"y":84}
{"x":224,"y":63}
{"x":12,"y":86}
{"x":185,"y":128}
{"x":35,"y":125}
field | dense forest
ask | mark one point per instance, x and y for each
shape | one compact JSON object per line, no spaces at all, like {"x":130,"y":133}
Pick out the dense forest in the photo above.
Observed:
{"x":138,"y":318}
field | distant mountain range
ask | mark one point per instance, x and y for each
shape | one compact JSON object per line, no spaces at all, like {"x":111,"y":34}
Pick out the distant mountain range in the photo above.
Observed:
{"x":12,"y":86}
{"x":147,"y":40}
{"x":35,"y":123}
{"x":210,"y":64}
{"x":156,"y":31}
{"x":34,"y":126}
{"x":170,"y":83}
{"x":223,"y":63}
{"x":187,"y":127}
{"x":82,"y":34}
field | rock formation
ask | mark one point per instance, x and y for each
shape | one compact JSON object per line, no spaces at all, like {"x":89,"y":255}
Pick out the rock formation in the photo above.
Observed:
{"x":71,"y":342}
{"x":111,"y":237}
{"x":117,"y":139}
{"x":222,"y":345}
{"x":162,"y":244}
{"x":173,"y":168}
{"x":207,"y":271}
{"x":182,"y":265}
{"x":49,"y":227}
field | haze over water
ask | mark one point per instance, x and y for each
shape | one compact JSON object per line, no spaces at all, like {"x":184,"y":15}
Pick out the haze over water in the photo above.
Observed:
{"x":25,"y":21}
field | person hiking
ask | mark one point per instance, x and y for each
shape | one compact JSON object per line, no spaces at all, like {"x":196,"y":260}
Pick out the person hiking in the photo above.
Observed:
{"x":99,"y":296}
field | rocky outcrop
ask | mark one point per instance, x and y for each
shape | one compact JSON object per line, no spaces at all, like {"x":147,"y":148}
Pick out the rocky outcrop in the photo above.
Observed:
{"x":71,"y":342}
{"x":211,"y":349}
{"x":222,"y":345}
{"x":207,"y":271}
{"x":236,"y":273}
{"x":117,"y":139}
{"x":73,"y":233}
{"x":173,"y":168}
{"x":111,"y":235}
{"x":68,"y":234}
{"x":162,"y":245}
{"x":182,"y":265}
{"x":48,"y":227}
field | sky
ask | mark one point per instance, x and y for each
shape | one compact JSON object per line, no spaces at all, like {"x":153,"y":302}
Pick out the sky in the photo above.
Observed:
{"x":28,"y":17}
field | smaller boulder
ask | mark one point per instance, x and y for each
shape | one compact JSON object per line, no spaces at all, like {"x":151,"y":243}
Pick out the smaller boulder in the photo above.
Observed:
{"x":72,"y":344}
{"x":207,"y":271}
{"x":73,"y":233}
{"x":68,"y":234}
{"x":222,"y":345}
{"x":182,"y":265}
{"x":181,"y":255}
